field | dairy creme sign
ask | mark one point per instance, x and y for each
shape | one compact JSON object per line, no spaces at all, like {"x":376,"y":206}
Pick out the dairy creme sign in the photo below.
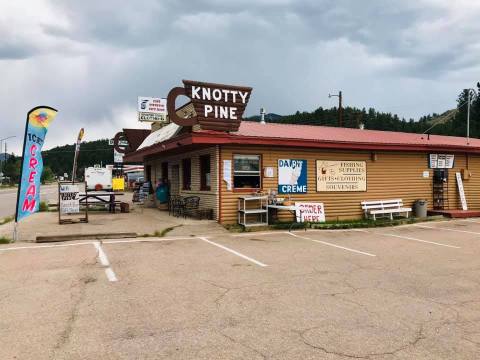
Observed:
{"x":341,"y":175}
{"x":217,"y":106}
{"x":292,"y":176}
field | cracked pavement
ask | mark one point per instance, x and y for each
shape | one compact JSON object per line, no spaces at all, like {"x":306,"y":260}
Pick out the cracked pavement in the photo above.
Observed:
{"x":187,"y":299}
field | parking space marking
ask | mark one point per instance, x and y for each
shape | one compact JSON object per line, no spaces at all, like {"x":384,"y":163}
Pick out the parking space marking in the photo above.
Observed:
{"x":232,"y":251}
{"x":259,"y":233}
{"x":145,"y":240}
{"x":333,"y":245}
{"x":43,"y":246}
{"x":102,"y":256}
{"x":419,"y":240}
{"x":448,"y":229}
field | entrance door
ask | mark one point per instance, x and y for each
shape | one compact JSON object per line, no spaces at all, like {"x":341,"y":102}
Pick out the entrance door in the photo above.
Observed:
{"x":440,"y":189}
{"x":175,"y":180}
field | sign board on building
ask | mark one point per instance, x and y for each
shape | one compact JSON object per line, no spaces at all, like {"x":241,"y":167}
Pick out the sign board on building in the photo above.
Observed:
{"x":117,"y":157}
{"x":292,"y":176}
{"x":310,"y":211}
{"x":218,"y":107}
{"x":269,"y":172}
{"x":227,"y":173}
{"x":152,"y":109}
{"x":340,"y":176}
{"x":69,"y":199}
{"x":441,"y":161}
{"x":461,"y":191}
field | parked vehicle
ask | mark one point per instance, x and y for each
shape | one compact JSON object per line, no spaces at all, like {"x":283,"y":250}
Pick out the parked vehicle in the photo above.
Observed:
{"x":98,"y":178}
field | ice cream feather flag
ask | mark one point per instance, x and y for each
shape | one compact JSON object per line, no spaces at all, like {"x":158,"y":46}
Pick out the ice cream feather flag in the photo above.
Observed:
{"x":28,"y":197}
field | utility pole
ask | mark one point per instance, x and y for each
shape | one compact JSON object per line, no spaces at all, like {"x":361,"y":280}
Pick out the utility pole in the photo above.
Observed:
{"x":471,"y":95}
{"x":340,"y":107}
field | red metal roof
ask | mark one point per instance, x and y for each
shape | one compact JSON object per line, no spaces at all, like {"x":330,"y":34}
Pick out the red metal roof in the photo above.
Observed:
{"x":271,"y":134}
{"x":345,"y":135}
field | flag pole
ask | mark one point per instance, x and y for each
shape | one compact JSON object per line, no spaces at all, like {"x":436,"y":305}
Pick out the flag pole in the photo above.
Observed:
{"x":15,"y":225}
{"x":15,"y":230}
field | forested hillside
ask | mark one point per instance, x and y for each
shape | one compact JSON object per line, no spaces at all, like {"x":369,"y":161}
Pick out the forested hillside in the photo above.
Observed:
{"x":60,"y":159}
{"x":371,"y":119}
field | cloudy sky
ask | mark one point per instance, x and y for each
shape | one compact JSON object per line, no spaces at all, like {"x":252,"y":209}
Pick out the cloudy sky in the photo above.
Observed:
{"x":91,"y":59}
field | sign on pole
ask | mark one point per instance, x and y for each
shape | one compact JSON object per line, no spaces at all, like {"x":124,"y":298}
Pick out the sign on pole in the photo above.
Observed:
{"x":152,"y":109}
{"x":77,"y":150}
{"x":117,"y":157}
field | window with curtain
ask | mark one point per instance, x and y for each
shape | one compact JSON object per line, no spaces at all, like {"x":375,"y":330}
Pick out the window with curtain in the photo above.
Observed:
{"x":246,"y":171}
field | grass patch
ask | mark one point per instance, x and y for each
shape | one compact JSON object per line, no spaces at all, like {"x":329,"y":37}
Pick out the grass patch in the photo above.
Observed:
{"x":43,"y":207}
{"x":6,"y":220}
{"x":160,"y":233}
{"x":4,"y":240}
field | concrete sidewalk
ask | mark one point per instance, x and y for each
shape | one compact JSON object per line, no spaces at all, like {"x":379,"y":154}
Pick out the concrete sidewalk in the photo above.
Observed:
{"x":140,"y":221}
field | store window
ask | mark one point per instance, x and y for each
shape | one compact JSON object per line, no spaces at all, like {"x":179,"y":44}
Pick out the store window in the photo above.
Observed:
{"x":187,"y":174}
{"x":246,"y":172}
{"x":205,"y":182}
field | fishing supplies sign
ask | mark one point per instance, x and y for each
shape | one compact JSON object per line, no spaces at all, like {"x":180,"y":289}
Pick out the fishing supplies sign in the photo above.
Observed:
{"x":341,"y":176}
{"x":28,"y":196}
{"x":218,"y":107}
{"x":292,"y":176}
{"x":69,"y":203}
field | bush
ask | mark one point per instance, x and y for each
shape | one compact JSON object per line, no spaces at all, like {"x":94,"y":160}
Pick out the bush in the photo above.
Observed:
{"x":43,"y":206}
{"x":4,"y":240}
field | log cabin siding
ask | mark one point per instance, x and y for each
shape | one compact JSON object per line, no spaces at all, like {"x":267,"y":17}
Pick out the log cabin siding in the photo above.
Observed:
{"x":208,"y":199}
{"x":392,"y":175}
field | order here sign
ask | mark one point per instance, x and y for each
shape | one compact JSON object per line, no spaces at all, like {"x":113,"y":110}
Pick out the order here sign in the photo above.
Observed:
{"x":309,"y":212}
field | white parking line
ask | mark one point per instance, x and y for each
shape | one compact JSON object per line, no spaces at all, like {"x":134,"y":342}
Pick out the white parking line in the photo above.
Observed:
{"x":43,"y":246}
{"x":233,"y":251}
{"x":447,"y":229}
{"x":104,"y":261}
{"x":145,"y":240}
{"x":259,"y":233}
{"x":419,"y":240}
{"x":330,"y":244}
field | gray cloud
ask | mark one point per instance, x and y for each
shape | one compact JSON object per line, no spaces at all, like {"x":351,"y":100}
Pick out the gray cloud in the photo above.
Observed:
{"x":91,"y":59}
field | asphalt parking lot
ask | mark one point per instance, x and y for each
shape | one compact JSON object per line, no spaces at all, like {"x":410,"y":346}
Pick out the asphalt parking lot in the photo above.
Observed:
{"x":409,"y":292}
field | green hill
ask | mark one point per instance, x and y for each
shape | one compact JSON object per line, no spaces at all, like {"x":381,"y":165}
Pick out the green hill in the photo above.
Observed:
{"x":60,"y":158}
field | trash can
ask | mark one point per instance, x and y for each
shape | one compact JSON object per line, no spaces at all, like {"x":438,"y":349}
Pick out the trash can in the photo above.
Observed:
{"x":420,"y":208}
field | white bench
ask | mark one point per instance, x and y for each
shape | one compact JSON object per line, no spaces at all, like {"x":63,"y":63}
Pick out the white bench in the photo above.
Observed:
{"x":384,"y":207}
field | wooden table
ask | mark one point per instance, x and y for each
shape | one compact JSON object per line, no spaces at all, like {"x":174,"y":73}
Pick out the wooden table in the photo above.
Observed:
{"x":99,"y":197}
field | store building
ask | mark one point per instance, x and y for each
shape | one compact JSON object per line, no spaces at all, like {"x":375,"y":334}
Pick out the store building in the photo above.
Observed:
{"x":338,"y":167}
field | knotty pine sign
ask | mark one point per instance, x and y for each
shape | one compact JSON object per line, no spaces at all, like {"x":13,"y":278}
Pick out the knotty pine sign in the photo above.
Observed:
{"x":217,"y":106}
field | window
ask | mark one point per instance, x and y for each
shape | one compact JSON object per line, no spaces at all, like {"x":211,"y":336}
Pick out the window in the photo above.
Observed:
{"x":187,"y":174}
{"x":246,"y":171}
{"x":205,"y":173}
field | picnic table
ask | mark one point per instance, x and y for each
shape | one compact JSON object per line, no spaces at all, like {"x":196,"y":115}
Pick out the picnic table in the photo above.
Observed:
{"x":100,"y":197}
